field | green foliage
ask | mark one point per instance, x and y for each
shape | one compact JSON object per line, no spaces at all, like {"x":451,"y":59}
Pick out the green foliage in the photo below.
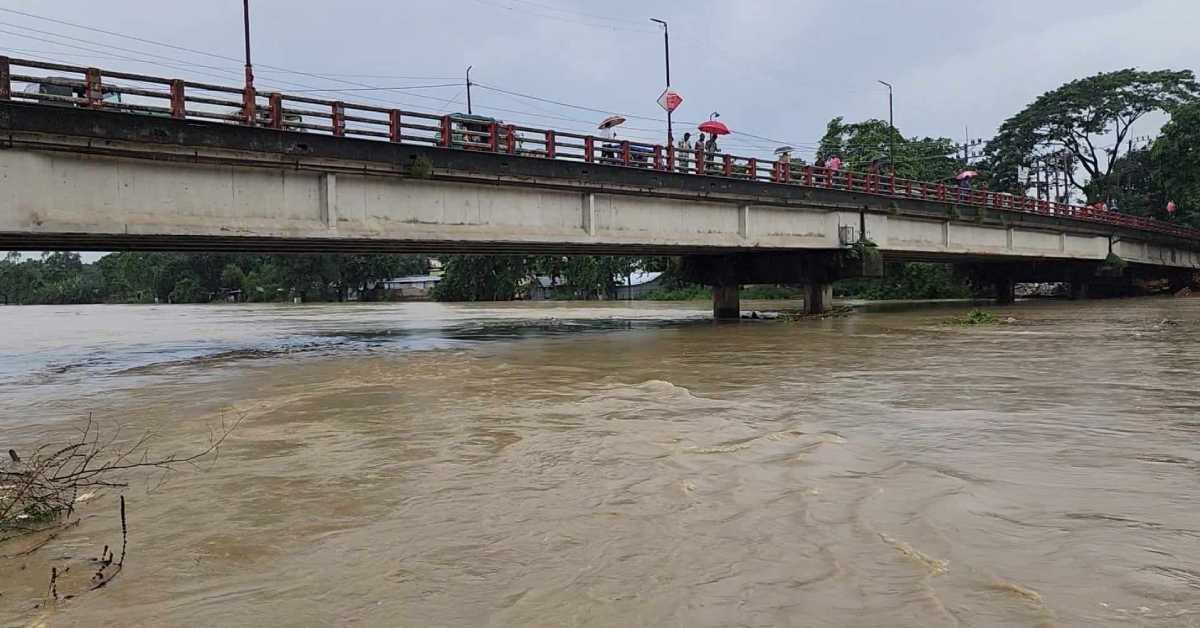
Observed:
{"x":189,"y":290}
{"x":1175,"y":158}
{"x":126,"y":277}
{"x":1130,"y":186}
{"x":1114,"y":261}
{"x":858,"y":144}
{"x":1085,"y":116}
{"x":481,"y":278}
{"x":908,"y":281}
{"x":688,"y":292}
{"x":421,"y":167}
{"x":976,"y":317}
{"x":768,"y":292}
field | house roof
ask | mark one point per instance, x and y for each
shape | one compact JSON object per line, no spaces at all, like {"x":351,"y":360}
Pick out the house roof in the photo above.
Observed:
{"x":415,"y":279}
{"x":637,"y":278}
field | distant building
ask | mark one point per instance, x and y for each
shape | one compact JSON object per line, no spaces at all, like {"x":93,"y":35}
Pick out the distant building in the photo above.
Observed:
{"x":637,"y":284}
{"x":633,"y":286}
{"x":544,"y":287}
{"x":411,"y":288}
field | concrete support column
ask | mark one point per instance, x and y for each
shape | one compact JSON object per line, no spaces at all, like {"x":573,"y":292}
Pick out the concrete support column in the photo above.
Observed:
{"x":1179,"y":280}
{"x":1005,"y":291}
{"x":726,"y":303}
{"x":329,"y":200}
{"x":1079,"y":290}
{"x":818,"y":297}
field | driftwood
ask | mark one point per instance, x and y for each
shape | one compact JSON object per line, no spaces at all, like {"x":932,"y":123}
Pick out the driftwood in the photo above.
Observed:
{"x":39,"y":491}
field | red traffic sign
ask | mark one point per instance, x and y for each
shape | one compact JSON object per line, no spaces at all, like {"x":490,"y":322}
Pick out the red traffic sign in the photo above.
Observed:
{"x":670,"y":99}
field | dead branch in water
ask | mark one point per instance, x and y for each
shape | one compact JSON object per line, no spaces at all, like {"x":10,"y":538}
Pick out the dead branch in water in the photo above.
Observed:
{"x":40,"y":490}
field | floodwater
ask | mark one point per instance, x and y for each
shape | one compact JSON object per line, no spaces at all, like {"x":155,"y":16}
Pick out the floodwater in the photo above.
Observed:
{"x":608,"y":465}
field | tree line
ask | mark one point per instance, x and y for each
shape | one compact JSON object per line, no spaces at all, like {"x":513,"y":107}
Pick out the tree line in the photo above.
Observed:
{"x":131,"y":277}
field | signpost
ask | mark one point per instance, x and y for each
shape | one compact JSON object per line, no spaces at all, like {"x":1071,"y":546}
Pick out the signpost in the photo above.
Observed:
{"x":670,"y":100}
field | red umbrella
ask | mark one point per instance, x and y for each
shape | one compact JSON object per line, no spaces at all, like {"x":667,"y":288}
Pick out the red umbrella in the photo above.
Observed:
{"x":966,"y":174}
{"x":714,"y":127}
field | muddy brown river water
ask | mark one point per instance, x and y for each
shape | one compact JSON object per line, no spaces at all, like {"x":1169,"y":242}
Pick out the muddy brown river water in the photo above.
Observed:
{"x":607,"y":465}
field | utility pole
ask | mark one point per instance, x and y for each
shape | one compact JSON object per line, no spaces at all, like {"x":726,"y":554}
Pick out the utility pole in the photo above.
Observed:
{"x":667,"y":55}
{"x":469,"y":112}
{"x":891,"y":128}
{"x":248,"y":106}
{"x":1056,"y":191}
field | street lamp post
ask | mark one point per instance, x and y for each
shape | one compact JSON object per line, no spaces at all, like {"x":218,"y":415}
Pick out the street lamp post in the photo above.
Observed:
{"x":248,"y":92}
{"x":667,"y":54}
{"x":469,"y":112}
{"x":891,"y":129}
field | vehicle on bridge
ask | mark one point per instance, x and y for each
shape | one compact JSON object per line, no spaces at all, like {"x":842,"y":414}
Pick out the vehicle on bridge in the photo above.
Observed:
{"x":473,"y":132}
{"x":60,"y":90}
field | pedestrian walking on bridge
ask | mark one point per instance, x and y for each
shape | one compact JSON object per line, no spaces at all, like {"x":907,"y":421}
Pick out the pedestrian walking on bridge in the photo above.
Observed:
{"x":710,"y":151}
{"x":683,"y":152}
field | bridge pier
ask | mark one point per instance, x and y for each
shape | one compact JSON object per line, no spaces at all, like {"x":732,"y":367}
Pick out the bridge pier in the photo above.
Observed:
{"x":726,"y":302}
{"x":1079,"y":290}
{"x":1005,"y":291}
{"x":818,"y":297}
{"x":1180,"y":280}
{"x":815,"y":270}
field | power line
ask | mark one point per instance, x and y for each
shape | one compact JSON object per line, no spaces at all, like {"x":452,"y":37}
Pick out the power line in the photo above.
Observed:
{"x":566,"y":20}
{"x":310,"y":74}
{"x":579,"y":13}
{"x":382,"y":89}
{"x":628,"y":115}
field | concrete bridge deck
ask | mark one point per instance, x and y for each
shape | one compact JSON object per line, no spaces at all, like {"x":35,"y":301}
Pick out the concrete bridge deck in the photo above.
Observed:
{"x":83,"y":179}
{"x":182,"y":173}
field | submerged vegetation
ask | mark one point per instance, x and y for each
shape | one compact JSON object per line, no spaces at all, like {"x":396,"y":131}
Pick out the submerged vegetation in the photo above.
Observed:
{"x":975,"y":317}
{"x":41,"y":491}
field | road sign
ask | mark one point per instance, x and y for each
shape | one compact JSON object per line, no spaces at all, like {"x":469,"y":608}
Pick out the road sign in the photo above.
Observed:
{"x":670,"y":99}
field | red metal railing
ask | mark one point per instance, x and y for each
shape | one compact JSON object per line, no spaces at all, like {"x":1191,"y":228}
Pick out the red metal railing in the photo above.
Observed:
{"x":181,"y":99}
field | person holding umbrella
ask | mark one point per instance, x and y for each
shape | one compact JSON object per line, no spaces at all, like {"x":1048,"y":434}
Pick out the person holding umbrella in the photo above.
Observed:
{"x":713,"y":127}
{"x":783,"y":163}
{"x":608,"y":152}
{"x":964,"y":184}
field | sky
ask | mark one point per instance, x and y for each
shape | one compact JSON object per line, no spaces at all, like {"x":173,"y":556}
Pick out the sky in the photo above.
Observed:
{"x":776,"y":71}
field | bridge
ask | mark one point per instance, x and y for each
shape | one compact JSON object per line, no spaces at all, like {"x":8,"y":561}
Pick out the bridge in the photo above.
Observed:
{"x":103,"y":160}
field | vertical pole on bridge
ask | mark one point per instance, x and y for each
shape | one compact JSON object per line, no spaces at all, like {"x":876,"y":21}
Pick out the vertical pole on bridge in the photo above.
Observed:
{"x":276,"y":110}
{"x":5,"y":78}
{"x":248,"y":99}
{"x":93,"y":90}
{"x":339,"y":119}
{"x":178,"y":101}
{"x":394,"y":128}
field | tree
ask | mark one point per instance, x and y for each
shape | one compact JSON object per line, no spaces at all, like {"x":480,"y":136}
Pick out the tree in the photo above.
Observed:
{"x":1175,"y":157}
{"x":189,"y":290}
{"x":1090,"y":118}
{"x":1132,"y":186}
{"x":862,"y":143}
{"x":481,"y":278}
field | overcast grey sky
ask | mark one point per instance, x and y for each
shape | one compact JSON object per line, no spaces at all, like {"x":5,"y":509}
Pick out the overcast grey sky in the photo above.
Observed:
{"x":775,"y":69}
